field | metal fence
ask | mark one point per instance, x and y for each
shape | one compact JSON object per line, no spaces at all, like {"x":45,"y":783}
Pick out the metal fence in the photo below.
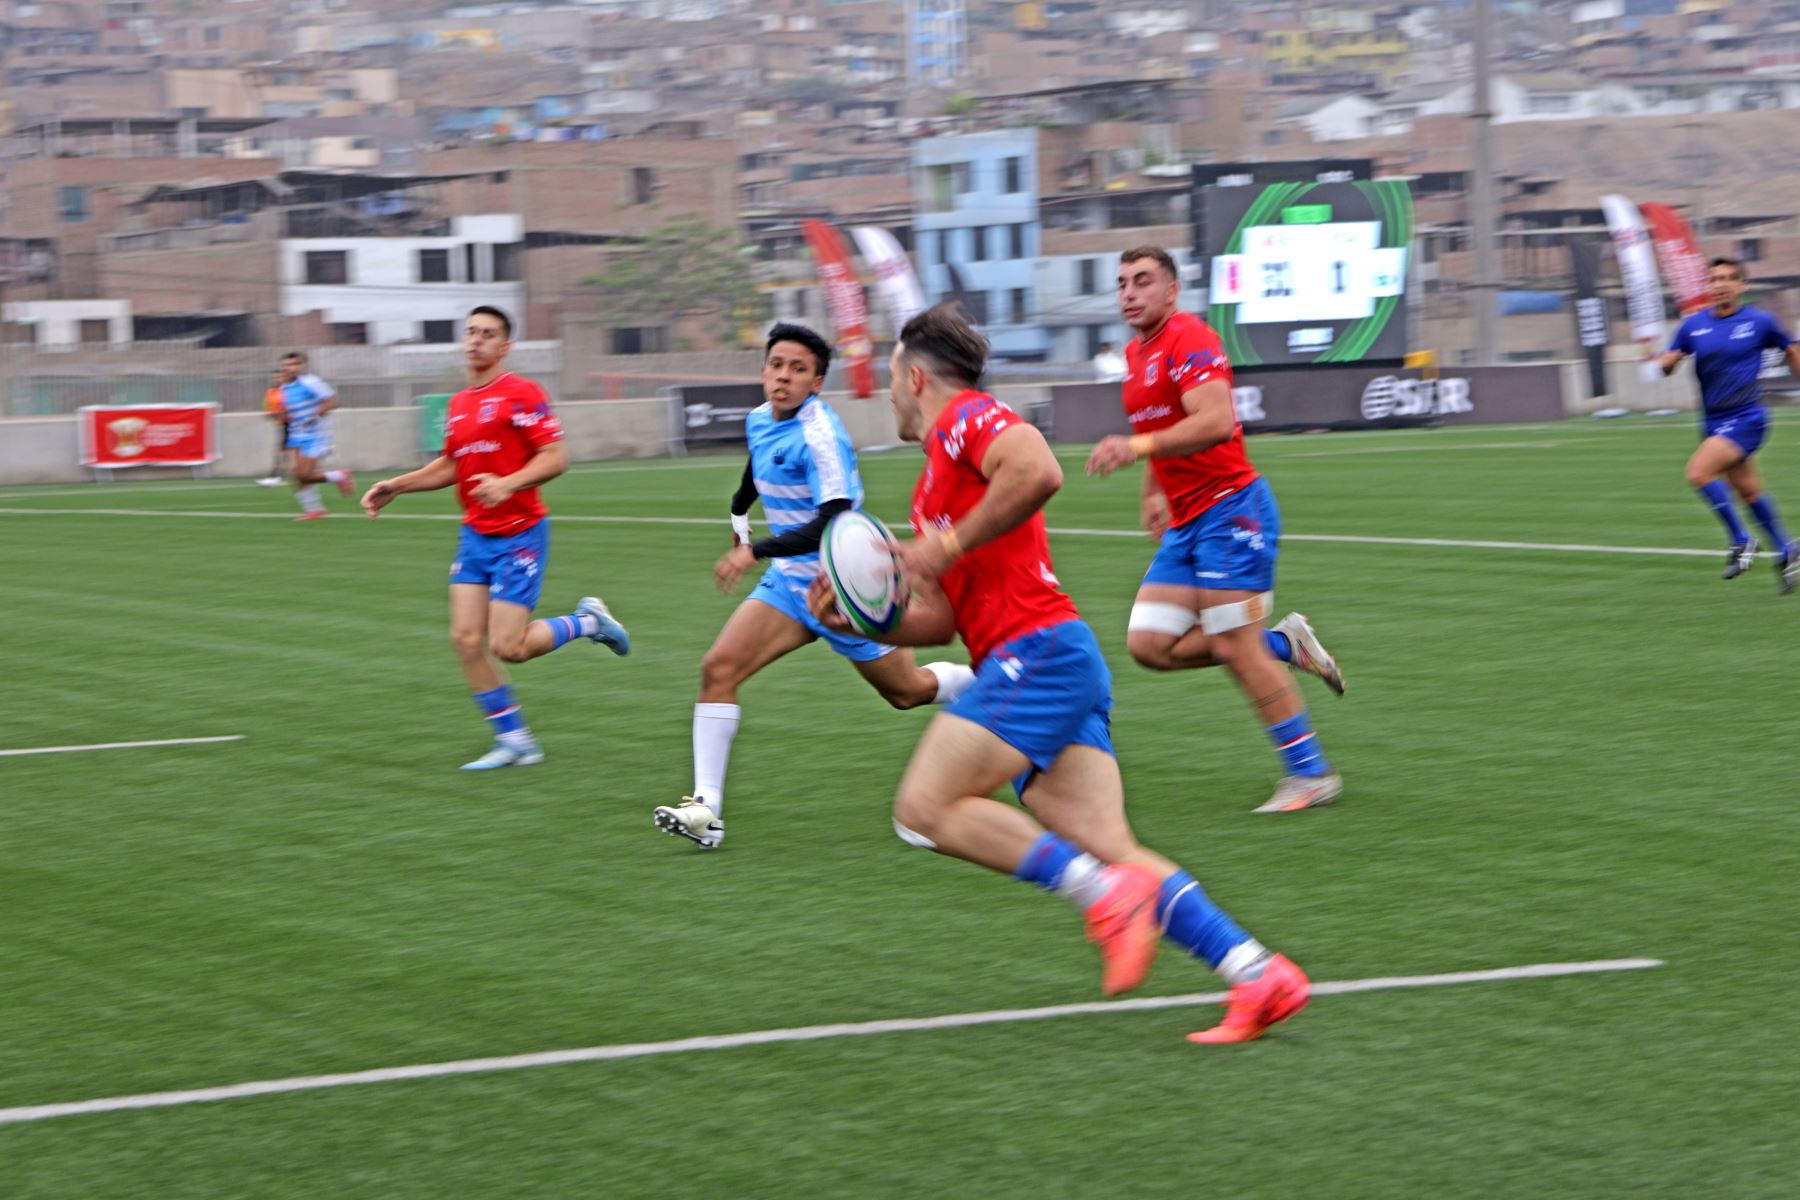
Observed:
{"x":51,"y":383}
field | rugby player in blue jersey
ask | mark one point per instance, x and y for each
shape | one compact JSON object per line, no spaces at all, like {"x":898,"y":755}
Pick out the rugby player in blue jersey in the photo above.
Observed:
{"x":308,"y":402}
{"x":803,"y":468}
{"x":1727,"y":341}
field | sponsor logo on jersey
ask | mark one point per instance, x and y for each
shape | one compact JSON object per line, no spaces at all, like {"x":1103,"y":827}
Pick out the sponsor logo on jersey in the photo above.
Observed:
{"x":1742,"y":330}
{"x":481,"y":447}
{"x":1153,"y":413}
{"x":489,"y":409}
{"x":1150,"y":373}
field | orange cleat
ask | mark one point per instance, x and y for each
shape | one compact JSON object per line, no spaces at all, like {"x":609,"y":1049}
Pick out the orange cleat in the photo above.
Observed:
{"x":346,"y":483}
{"x":1123,"y":924}
{"x":1279,"y":994}
{"x":313,"y":514}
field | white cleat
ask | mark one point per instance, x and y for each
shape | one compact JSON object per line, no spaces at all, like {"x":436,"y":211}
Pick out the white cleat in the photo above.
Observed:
{"x":1310,"y":654}
{"x":1296,"y":792}
{"x":269,"y":481}
{"x":506,"y":756}
{"x":692,"y":820}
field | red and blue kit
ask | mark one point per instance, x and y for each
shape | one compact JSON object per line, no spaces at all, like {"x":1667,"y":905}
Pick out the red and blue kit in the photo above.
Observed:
{"x":1224,"y":528}
{"x":496,"y":429}
{"x":1041,"y":684}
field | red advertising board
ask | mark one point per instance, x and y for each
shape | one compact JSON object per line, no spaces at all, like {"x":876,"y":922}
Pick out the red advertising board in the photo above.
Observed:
{"x":149,"y":435}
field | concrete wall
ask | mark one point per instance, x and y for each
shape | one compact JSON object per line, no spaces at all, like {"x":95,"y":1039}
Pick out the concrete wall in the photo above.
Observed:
{"x":369,"y":440}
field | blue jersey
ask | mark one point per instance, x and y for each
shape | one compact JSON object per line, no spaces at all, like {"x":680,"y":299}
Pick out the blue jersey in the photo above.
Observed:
{"x":302,"y":399}
{"x":1728,"y":354}
{"x":799,"y":464}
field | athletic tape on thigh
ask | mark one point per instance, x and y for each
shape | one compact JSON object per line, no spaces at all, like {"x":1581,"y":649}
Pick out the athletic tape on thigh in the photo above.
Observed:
{"x":913,"y":839}
{"x":1172,"y":619}
{"x":1222,"y":618}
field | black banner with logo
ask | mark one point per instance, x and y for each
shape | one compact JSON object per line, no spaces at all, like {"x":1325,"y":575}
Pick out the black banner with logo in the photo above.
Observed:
{"x":1351,"y":398}
{"x":713,"y":414}
{"x":1591,"y":324}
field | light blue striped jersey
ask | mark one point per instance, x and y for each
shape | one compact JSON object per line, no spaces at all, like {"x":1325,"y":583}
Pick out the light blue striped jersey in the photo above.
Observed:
{"x":800,"y":463}
{"x":302,"y":400}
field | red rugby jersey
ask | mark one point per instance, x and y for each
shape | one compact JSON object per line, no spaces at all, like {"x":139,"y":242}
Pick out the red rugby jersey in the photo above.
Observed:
{"x":1183,"y":354}
{"x":1005,"y":588}
{"x":495,"y":429}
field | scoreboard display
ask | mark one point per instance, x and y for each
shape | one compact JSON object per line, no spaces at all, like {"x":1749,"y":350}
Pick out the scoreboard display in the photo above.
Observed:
{"x":1306,"y":271}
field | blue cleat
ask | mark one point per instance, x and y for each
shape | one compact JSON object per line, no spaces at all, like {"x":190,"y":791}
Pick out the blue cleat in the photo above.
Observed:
{"x":506,"y":756}
{"x":611,"y":634}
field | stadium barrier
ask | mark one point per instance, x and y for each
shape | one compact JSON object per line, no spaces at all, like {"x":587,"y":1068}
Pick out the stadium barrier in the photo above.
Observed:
{"x":1347,"y":398}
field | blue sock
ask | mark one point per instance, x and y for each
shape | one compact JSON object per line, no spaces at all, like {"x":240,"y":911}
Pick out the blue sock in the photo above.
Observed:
{"x":1299,"y":746}
{"x":502,"y":711}
{"x":1279,"y":645}
{"x":1046,"y":861}
{"x":1191,"y":920}
{"x":566,"y":629}
{"x":1770,"y":519}
{"x":1719,"y":497}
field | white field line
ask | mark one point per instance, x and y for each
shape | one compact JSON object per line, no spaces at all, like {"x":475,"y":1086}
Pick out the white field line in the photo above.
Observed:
{"x":578,"y":518}
{"x":235,"y":737}
{"x":804,"y":1033}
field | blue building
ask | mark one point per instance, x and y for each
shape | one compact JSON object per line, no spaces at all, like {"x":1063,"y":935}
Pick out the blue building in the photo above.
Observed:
{"x":975,"y":206}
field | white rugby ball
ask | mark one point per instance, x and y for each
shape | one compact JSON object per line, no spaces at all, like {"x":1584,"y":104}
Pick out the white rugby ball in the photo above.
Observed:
{"x":859,"y":563}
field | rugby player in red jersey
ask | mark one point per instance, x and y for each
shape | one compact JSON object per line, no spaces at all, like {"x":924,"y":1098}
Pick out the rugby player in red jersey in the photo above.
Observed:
{"x":501,"y":442}
{"x":1208,"y":591}
{"x":1039,"y":712}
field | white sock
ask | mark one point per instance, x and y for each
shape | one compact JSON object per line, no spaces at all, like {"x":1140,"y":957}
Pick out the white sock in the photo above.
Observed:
{"x":714,"y":727}
{"x":1244,"y":962}
{"x":587,"y":623}
{"x":953,"y":680}
{"x":1084,"y":881}
{"x":334,"y":476}
{"x":309,"y":498}
{"x":517,"y":739}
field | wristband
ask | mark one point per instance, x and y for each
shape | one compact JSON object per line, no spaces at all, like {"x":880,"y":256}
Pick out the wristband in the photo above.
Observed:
{"x":1143,"y":444}
{"x":951,"y":543}
{"x":740,"y":525}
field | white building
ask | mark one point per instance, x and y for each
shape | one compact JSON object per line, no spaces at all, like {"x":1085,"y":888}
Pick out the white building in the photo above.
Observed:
{"x":1332,"y":118}
{"x":408,"y":289}
{"x":67,"y":324}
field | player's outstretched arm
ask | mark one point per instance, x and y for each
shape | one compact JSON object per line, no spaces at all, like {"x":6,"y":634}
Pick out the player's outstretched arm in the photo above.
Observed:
{"x":1669,"y":360}
{"x":440,"y":472}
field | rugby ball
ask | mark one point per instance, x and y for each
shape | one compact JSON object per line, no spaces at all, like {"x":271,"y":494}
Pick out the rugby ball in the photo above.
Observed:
{"x":859,"y":563}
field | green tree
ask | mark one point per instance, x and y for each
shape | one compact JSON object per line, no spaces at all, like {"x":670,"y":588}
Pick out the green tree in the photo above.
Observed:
{"x":685,"y":269}
{"x":962,"y":104}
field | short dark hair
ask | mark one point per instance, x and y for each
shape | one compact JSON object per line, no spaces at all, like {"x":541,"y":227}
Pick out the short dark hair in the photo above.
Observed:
{"x":293,"y":354}
{"x":1736,"y":265}
{"x":488,"y":310}
{"x":1155,"y":254}
{"x":785,"y":332}
{"x":943,"y":336}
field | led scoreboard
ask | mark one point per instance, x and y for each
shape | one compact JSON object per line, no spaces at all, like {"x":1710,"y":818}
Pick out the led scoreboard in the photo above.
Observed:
{"x":1304,"y":263}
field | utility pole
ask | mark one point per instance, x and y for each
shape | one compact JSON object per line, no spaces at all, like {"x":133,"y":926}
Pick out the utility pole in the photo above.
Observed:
{"x":1483,"y":218}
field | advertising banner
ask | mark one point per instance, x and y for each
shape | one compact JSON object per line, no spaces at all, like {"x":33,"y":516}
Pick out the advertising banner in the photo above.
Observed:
{"x":1637,"y":268}
{"x":901,"y":296}
{"x":148,"y":435}
{"x":844,"y":300}
{"x":1678,"y":250}
{"x":1351,"y":398}
{"x":1591,"y":323}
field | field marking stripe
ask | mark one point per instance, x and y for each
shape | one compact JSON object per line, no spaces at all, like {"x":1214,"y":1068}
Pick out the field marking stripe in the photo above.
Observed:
{"x":577,"y":518}
{"x":234,"y":737}
{"x":807,"y":1033}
